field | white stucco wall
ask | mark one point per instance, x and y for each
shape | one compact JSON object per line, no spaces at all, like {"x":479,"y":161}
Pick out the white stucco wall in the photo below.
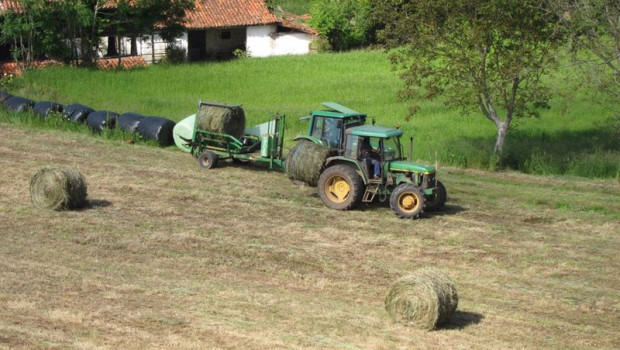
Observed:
{"x":292,"y":43}
{"x":258,"y":42}
{"x":263,"y":41}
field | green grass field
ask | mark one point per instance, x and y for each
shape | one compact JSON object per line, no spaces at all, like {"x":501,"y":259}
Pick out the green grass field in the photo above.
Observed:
{"x":577,"y":137}
{"x":168,"y":255}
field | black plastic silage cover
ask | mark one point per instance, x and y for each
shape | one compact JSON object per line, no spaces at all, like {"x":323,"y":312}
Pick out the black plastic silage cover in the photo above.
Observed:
{"x":18,"y":104}
{"x":77,"y":112}
{"x":4,"y":96}
{"x":129,"y":121}
{"x":45,"y":108}
{"x":100,"y":120}
{"x":158,"y":129}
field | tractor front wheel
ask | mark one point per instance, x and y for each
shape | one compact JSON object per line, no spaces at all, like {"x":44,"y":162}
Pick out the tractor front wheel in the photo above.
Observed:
{"x":207,"y":159}
{"x":436,"y":201}
{"x":407,"y":201}
{"x":340,"y":187}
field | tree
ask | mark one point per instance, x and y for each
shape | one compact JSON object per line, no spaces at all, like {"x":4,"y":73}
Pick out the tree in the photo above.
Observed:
{"x":593,"y":26}
{"x":70,"y":29}
{"x":345,"y":24}
{"x":487,"y":55}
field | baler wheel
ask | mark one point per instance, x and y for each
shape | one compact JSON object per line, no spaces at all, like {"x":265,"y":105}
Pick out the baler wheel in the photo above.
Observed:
{"x":208,"y":159}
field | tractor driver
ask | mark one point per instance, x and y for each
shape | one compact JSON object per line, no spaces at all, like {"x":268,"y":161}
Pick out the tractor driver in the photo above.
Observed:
{"x":370,"y":154}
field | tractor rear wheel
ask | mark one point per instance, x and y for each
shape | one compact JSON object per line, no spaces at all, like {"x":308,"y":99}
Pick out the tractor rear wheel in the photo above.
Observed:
{"x":436,"y":201}
{"x":340,"y":187}
{"x":407,"y":201}
{"x":208,"y":159}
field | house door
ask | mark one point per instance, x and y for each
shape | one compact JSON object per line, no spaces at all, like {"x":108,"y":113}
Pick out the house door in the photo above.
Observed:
{"x":196,"y":45}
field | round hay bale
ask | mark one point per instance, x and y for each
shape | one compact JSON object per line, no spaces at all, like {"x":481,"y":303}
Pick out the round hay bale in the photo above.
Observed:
{"x":100,"y":120}
{"x":58,"y":189}
{"x":44,"y":108}
{"x":129,"y":121}
{"x":184,"y":130}
{"x":305,"y":162}
{"x":228,"y":120}
{"x":4,"y":96}
{"x":425,"y":299}
{"x":77,"y":112}
{"x":158,"y":129}
{"x":18,"y":104}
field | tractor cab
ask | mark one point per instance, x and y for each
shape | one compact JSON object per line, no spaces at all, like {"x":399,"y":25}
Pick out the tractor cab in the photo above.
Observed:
{"x":327,"y":127}
{"x":369,"y":143}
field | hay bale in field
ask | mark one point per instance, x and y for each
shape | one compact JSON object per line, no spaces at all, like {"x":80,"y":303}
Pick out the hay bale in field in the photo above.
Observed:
{"x":158,"y":129}
{"x":100,"y":120}
{"x":222,"y":119}
{"x":58,"y":189}
{"x":76,"y":112}
{"x":425,"y":299}
{"x":44,"y":108}
{"x":4,"y":96}
{"x":129,"y":121}
{"x":305,"y":162}
{"x":18,"y":104}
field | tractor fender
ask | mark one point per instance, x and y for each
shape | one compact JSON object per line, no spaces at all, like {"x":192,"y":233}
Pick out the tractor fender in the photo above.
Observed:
{"x":343,"y":160}
{"x":309,"y":138}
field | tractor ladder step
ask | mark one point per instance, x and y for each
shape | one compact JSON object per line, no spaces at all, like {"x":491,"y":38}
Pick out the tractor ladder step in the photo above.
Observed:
{"x":371,"y":190}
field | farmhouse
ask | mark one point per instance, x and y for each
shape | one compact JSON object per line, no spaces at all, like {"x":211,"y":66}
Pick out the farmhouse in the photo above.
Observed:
{"x":215,"y":29}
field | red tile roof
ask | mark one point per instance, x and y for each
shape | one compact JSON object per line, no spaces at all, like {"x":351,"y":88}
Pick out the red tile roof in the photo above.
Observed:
{"x":206,"y":14}
{"x":228,"y":13}
{"x":10,"y":5}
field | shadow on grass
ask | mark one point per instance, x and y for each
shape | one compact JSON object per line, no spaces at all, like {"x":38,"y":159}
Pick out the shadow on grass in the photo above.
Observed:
{"x":591,"y":153}
{"x":463,"y":319}
{"x":96,"y":204}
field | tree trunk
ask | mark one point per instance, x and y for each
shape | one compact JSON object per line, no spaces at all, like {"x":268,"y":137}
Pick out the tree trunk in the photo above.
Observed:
{"x":502,"y":130}
{"x":134,"y":46}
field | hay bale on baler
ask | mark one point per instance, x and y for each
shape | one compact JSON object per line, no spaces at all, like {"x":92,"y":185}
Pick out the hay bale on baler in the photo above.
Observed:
{"x":223,"y":119}
{"x":305,"y":162}
{"x":58,"y":189}
{"x":425,"y":299}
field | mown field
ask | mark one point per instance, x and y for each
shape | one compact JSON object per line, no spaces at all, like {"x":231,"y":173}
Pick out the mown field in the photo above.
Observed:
{"x":169,"y":256}
{"x":579,"y":135}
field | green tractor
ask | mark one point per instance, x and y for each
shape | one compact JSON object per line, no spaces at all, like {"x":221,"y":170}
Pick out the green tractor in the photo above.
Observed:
{"x":367,"y":162}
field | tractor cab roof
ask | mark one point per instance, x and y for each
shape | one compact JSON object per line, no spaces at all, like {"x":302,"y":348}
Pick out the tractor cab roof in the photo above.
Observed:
{"x":374,"y":131}
{"x":337,"y":111}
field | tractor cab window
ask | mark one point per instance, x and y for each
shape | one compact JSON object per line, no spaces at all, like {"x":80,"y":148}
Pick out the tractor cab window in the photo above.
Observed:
{"x":328,"y":130}
{"x":391,"y":148}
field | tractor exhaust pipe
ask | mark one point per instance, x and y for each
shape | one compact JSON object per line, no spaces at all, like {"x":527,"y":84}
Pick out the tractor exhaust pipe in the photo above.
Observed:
{"x":411,"y":149}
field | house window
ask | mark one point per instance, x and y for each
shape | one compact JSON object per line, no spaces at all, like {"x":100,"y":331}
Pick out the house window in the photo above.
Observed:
{"x":226,"y":35}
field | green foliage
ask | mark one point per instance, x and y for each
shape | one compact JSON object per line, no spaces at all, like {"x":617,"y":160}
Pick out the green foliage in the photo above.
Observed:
{"x":593,"y":27}
{"x":484,"y":55}
{"x":69,"y":30}
{"x":345,"y":24}
{"x":175,"y":54}
{"x":298,"y":7}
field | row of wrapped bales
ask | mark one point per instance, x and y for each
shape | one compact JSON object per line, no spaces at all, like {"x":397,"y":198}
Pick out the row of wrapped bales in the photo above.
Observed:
{"x":154,"y":128}
{"x":305,"y":162}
